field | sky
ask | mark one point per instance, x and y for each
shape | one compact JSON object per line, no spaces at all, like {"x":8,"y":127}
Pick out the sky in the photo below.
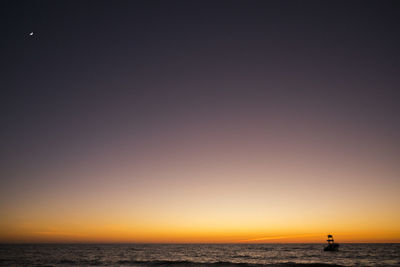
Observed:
{"x":199,"y":121}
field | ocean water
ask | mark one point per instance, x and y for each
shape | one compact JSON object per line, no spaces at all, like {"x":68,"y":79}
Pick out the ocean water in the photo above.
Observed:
{"x":183,"y":255}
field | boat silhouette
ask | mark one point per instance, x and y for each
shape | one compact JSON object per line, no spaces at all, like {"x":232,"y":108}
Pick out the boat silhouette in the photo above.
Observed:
{"x":332,"y":246}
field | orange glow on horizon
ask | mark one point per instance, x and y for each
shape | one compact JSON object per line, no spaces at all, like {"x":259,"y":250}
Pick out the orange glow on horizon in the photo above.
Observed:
{"x":221,"y":192}
{"x":119,"y":233}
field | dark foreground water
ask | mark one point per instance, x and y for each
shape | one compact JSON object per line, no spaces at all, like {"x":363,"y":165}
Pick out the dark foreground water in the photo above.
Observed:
{"x":198,"y":255}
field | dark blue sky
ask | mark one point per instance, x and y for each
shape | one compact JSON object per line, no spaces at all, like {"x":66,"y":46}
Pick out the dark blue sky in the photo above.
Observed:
{"x":101,"y":69}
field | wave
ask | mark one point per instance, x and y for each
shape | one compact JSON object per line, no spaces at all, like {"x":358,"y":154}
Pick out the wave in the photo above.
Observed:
{"x":67,"y":262}
{"x":221,"y":264}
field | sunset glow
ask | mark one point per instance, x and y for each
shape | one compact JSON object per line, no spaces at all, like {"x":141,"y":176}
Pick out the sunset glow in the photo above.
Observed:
{"x":196,"y":123}
{"x":217,"y":189}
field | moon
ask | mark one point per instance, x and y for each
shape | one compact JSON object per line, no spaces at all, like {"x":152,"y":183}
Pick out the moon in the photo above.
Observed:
{"x":31,"y":34}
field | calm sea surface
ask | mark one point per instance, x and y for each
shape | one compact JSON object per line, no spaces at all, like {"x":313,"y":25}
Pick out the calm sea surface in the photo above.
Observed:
{"x":198,"y":255}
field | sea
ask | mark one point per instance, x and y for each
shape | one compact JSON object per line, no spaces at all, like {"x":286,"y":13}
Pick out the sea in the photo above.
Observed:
{"x":203,"y":255}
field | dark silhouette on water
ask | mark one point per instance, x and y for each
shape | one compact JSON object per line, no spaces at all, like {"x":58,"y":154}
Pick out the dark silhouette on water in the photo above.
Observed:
{"x":332,"y":246}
